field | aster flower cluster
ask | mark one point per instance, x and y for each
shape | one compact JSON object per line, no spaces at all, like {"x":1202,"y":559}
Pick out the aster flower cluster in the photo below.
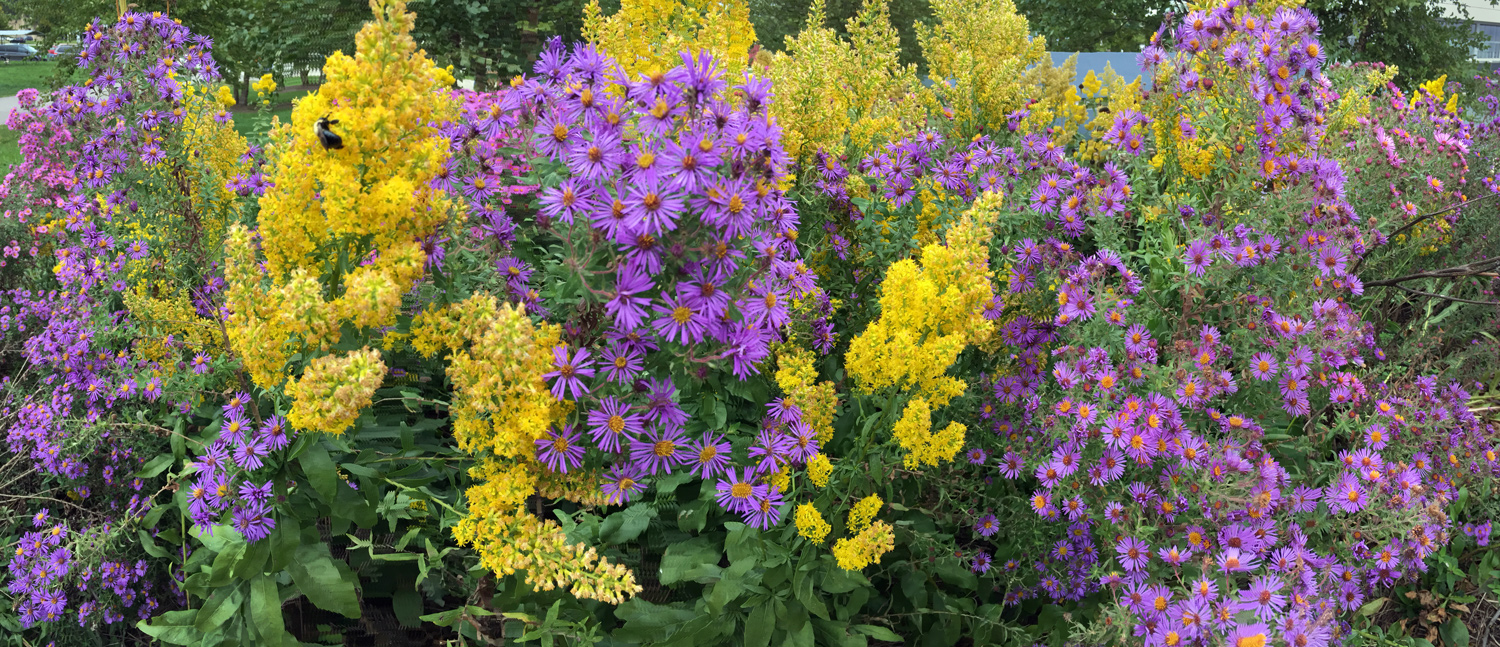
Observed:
{"x":672,"y":187}
{"x":224,"y":480}
{"x":140,"y":67}
{"x":1160,"y":438}
{"x":485,"y":168}
{"x":45,"y":573}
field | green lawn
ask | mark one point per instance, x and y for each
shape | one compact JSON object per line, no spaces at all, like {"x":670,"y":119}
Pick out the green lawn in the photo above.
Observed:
{"x":15,"y":77}
{"x":244,"y":121}
{"x":10,"y":148}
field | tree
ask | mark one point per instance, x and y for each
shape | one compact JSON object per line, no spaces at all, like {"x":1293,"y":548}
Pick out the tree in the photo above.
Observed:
{"x":1097,"y":25}
{"x":1424,"y":38}
{"x":492,"y":41}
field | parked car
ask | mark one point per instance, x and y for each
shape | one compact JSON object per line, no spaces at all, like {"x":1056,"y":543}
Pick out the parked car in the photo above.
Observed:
{"x":64,"y":49}
{"x":13,"y":52}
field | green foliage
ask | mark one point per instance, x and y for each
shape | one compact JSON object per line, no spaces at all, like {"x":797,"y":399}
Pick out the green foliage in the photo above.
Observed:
{"x":493,"y":41}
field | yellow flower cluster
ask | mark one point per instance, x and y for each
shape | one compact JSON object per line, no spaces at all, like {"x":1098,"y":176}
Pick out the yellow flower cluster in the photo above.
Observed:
{"x":868,"y":546}
{"x":810,"y":524}
{"x":265,"y":88}
{"x":930,"y":312}
{"x":501,"y":403}
{"x":518,"y":541}
{"x":978,"y":51}
{"x":1057,"y":100}
{"x":1111,"y":95}
{"x":646,"y":36}
{"x":864,"y":512}
{"x":819,"y":469}
{"x":914,"y":433}
{"x":798,"y":381}
{"x":334,"y":388}
{"x":580,"y":485}
{"x":829,"y":88}
{"x":500,"y":406}
{"x":341,"y":229}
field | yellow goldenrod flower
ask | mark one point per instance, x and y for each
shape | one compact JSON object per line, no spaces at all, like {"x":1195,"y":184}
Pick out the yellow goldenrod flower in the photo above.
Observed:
{"x":868,"y":546}
{"x":810,"y":523}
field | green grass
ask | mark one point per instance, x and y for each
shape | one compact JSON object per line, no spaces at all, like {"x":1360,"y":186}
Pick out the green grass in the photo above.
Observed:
{"x":245,"y":121}
{"x":10,"y":148}
{"x":15,"y":77}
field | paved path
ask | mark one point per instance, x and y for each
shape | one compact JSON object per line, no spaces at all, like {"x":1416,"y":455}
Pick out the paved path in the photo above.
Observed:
{"x":7,"y":104}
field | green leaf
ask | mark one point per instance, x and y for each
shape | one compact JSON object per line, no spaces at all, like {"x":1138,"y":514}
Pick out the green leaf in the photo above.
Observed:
{"x":320,"y":471}
{"x":1372,"y":607}
{"x":253,"y":560}
{"x":156,"y":466}
{"x":284,"y":541}
{"x":218,"y":608}
{"x":265,"y":610}
{"x":758,"y":627}
{"x":954,"y":572}
{"x":173,"y":627}
{"x":223,"y":568}
{"x":1454,"y":633}
{"x":407,"y":603}
{"x":325,"y":585}
{"x":150,"y":546}
{"x":878,"y":632}
{"x":443,"y":618}
{"x":626,"y":524}
{"x":695,"y":559}
{"x":721,"y":414}
{"x":802,"y":637}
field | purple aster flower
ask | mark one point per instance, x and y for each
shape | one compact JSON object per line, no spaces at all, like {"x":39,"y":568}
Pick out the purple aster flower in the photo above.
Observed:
{"x":273,"y":433}
{"x":1264,"y":598}
{"x":611,"y":422}
{"x":738,"y":492}
{"x":1012,"y":465}
{"x":1247,"y":635}
{"x":596,"y":159}
{"x":254,"y":522}
{"x":652,"y":209}
{"x":981,"y":562}
{"x":987,"y":525}
{"x":249,"y":454}
{"x":680,"y":321}
{"x":200,"y":363}
{"x":560,"y":452}
{"x":770,"y":446}
{"x":570,"y":372}
{"x":1331,"y":261}
{"x":659,"y":450}
{"x":622,"y":482}
{"x":628,"y":309}
{"x":802,"y":443}
{"x":1134,"y":553}
{"x":661,"y":408}
{"x":1233,"y":560}
{"x":621,"y":363}
{"x":566,"y":201}
{"x":710,"y":456}
{"x":1263,"y":366}
{"x":252,"y":493}
{"x":1197,"y":257}
{"x":766,"y":512}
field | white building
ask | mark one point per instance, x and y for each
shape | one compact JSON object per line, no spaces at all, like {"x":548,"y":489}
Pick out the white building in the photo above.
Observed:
{"x":1486,"y":20}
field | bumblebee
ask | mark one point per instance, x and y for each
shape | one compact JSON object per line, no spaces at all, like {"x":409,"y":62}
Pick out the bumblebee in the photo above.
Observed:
{"x":326,"y":137}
